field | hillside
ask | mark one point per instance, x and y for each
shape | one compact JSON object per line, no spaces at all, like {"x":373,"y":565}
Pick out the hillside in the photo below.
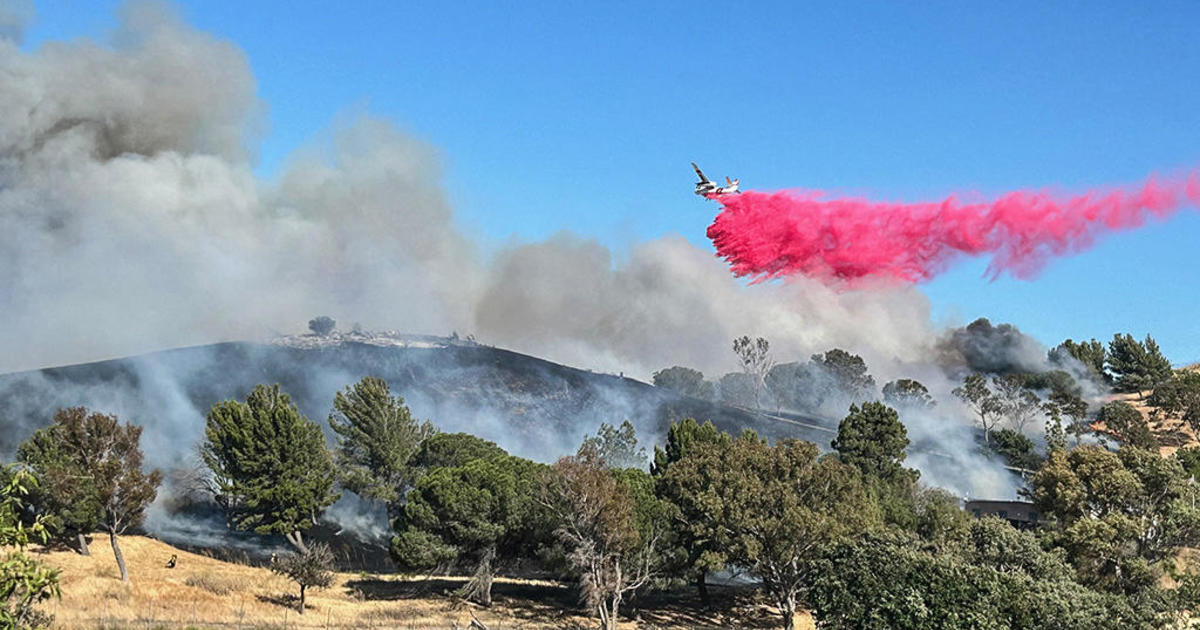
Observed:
{"x":203,"y":592}
{"x":528,"y":405}
{"x":1171,"y":432}
{"x":532,"y":407}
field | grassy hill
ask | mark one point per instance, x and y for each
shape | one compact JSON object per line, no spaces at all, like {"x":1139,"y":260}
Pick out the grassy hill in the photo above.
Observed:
{"x":533,"y":408}
{"x":203,"y":592}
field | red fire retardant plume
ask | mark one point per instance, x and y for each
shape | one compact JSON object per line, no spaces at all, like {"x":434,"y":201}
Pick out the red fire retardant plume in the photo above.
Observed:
{"x":768,"y":235}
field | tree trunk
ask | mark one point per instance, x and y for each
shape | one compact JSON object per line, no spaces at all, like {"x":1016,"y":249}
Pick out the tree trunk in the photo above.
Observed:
{"x":83,"y":546}
{"x":702,"y":586}
{"x":788,"y":609}
{"x":479,"y":588}
{"x":302,"y":587}
{"x":297,"y":540}
{"x":613,"y":612}
{"x":112,"y":538}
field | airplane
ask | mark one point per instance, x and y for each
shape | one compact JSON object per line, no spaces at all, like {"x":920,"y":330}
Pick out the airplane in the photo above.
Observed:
{"x":705,"y":188}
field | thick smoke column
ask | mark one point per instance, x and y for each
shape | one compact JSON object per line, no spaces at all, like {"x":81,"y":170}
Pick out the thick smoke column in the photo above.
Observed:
{"x":768,"y":235}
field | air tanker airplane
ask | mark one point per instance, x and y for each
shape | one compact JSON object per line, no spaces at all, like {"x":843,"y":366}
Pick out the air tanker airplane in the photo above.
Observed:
{"x":705,"y":188}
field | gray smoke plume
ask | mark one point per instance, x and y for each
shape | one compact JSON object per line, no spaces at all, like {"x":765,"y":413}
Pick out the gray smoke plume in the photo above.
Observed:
{"x":993,"y":349}
{"x":131,"y":220}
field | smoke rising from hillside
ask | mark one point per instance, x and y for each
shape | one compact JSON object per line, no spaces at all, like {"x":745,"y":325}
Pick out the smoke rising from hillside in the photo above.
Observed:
{"x":769,"y":235}
{"x":131,"y":220}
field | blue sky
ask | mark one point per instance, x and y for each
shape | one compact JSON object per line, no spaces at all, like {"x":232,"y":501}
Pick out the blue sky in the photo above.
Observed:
{"x":577,"y":116}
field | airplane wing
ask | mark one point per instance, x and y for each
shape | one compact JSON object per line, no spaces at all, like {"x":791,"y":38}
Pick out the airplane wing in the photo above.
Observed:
{"x":703,"y":179}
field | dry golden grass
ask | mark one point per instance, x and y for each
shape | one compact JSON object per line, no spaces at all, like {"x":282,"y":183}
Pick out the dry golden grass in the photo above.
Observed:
{"x":202,"y":592}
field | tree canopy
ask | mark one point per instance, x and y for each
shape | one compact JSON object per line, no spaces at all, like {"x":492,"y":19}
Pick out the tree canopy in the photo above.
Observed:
{"x":481,"y":512}
{"x":684,"y":381}
{"x":1121,"y":517}
{"x":907,"y":393}
{"x":1179,"y":396}
{"x":1135,"y":365}
{"x":1092,"y":354}
{"x":377,"y":438}
{"x":976,"y":394}
{"x":611,"y":542}
{"x":454,"y":449}
{"x":1122,"y":420}
{"x":617,"y":447}
{"x":25,"y":582}
{"x":271,"y":470}
{"x":872,"y":439}
{"x":104,"y":458}
{"x":769,"y":508}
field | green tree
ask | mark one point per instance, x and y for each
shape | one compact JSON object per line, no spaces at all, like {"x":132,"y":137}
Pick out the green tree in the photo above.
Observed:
{"x":872,"y":439}
{"x":446,"y":450}
{"x":1179,"y":396}
{"x":1121,"y":517}
{"x":617,"y":447}
{"x":849,"y":373}
{"x":907,"y":393}
{"x":1056,"y":436}
{"x":599,"y":522}
{"x":684,"y":381}
{"x":1016,"y":449}
{"x":66,"y":492}
{"x":1069,"y":404}
{"x":702,"y":554}
{"x":682,"y":437}
{"x":1121,"y":419}
{"x":1189,"y":459}
{"x":377,"y":438}
{"x":272,"y":473}
{"x":1092,"y":354}
{"x":25,"y":582}
{"x":482,"y":512}
{"x":1002,"y":580}
{"x":770,"y":508}
{"x":1053,"y":381}
{"x":102,"y":456}
{"x":311,"y":568}
{"x":974,"y":392}
{"x":1136,"y":366}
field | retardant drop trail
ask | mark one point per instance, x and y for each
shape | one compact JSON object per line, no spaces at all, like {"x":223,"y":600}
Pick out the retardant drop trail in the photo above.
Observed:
{"x":849,"y":240}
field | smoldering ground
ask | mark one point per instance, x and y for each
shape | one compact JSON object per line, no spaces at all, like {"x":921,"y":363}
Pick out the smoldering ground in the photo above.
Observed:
{"x":131,"y":220}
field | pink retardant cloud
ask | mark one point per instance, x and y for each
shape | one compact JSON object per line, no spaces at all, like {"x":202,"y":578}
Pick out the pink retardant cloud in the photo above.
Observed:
{"x":851,"y":240}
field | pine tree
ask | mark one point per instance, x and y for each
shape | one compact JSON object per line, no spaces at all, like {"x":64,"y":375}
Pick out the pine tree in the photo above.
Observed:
{"x":1137,"y":366}
{"x":872,"y":439}
{"x":271,"y":470}
{"x":683,"y":438}
{"x":1091,"y":354}
{"x":377,"y":438}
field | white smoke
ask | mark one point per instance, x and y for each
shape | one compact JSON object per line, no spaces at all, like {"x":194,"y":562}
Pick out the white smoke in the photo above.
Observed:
{"x":131,"y":220}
